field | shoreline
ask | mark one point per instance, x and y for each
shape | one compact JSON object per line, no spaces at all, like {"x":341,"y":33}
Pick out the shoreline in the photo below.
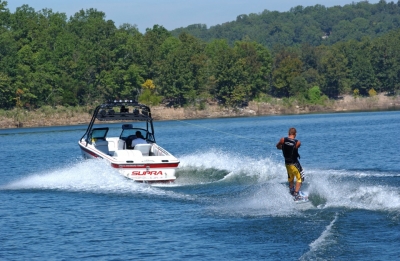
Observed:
{"x":347,"y":103}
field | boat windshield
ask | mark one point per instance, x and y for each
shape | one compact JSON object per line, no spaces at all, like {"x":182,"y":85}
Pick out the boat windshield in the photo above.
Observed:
{"x":129,"y":132}
{"x":99,"y":133}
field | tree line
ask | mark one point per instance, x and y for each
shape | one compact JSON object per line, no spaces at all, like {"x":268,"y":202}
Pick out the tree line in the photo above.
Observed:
{"x":315,"y":25}
{"x":49,"y":59}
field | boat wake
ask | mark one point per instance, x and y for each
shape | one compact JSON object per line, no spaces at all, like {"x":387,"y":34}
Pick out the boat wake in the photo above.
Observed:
{"x":355,"y":190}
{"x":217,"y":166}
{"x":249,"y":186}
{"x":229,"y":184}
{"x":323,"y":242}
{"x":90,"y":176}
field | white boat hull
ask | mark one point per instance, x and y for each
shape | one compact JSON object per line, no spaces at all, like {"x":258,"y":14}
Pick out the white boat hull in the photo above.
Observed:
{"x":158,"y":167}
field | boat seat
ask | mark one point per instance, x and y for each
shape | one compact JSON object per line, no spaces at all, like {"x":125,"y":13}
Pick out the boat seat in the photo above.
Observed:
{"x":125,"y":155}
{"x":143,"y":148}
{"x":112,"y":146}
{"x":121,"y":144}
{"x":101,"y":145}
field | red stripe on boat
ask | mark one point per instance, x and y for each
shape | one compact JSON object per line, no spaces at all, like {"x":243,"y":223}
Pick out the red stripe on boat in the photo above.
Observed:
{"x":91,"y":152}
{"x":142,"y":166}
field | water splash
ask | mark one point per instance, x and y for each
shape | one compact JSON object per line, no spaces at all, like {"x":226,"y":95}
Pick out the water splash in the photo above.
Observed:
{"x":92,"y":176}
{"x":262,"y":200}
{"x":354,"y":189}
{"x":265,"y":179}
{"x":229,"y":183}
{"x":233,"y":166}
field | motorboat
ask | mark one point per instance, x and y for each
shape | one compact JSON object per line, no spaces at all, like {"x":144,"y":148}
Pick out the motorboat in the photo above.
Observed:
{"x":132,"y":150}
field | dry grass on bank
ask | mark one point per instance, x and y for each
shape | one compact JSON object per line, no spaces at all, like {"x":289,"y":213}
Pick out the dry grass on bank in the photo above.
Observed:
{"x":48,"y":116}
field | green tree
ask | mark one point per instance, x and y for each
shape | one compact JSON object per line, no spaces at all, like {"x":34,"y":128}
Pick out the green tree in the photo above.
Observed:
{"x":285,"y":72}
{"x":6,"y":91}
{"x":8,"y":59}
{"x":150,"y":50}
{"x":182,"y":74}
{"x":385,"y":56}
{"x":315,"y":96}
{"x":92,"y":53}
{"x":361,"y":73}
{"x":335,"y":70}
{"x":223,"y":70}
{"x":255,"y":64}
{"x":149,"y":94}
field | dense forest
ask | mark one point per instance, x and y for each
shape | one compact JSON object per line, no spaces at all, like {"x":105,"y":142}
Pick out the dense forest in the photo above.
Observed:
{"x":315,"y":25}
{"x":49,"y":59}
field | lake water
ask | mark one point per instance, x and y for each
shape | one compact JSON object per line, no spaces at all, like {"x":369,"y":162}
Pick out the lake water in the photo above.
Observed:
{"x":229,"y":202}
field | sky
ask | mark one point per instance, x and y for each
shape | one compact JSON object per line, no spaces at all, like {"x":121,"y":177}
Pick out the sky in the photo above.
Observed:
{"x":171,"y":14}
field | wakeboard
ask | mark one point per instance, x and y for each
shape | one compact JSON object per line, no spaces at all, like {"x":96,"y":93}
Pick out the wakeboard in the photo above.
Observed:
{"x":303,"y":202}
{"x":302,"y":197}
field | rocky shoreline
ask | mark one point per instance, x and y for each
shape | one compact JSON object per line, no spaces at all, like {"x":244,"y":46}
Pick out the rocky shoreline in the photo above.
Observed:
{"x":276,"y":107}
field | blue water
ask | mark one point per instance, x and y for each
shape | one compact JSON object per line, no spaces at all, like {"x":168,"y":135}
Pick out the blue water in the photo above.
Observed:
{"x":229,"y":202}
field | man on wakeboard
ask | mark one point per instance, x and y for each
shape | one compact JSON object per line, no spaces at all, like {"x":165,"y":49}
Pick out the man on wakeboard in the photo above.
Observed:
{"x":289,"y":146}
